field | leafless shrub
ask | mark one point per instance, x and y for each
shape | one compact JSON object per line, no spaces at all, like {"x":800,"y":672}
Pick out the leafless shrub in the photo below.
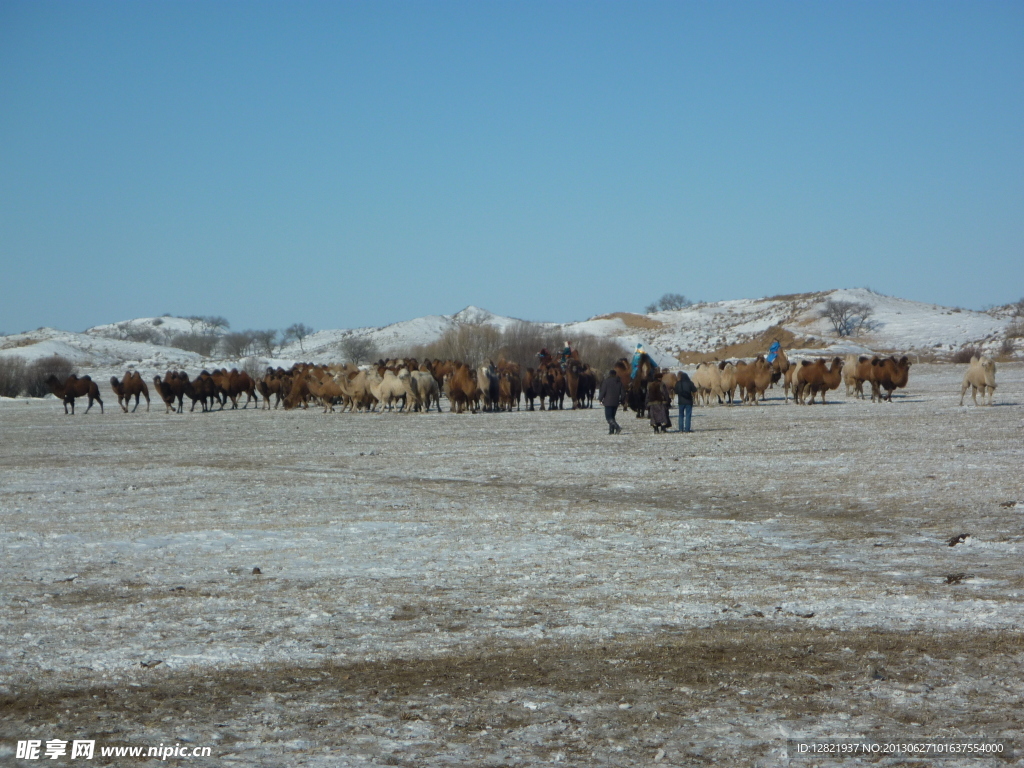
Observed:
{"x":521,"y":341}
{"x":667,"y":302}
{"x":238,"y":343}
{"x":847,"y":317}
{"x":142,"y":333}
{"x":1007,"y":348}
{"x":255,"y":367}
{"x":208,"y":323}
{"x":38,"y":372}
{"x":518,"y":343}
{"x":202,"y":343}
{"x":12,"y":375}
{"x":964,"y":354}
{"x":473,"y":343}
{"x":601,"y":353}
{"x":265,"y":341}
{"x":358,"y":349}
{"x":1018,"y":308}
{"x":1015,"y":329}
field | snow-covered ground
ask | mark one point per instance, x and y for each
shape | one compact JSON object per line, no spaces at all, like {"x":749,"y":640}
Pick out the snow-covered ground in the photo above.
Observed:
{"x":515,"y":589}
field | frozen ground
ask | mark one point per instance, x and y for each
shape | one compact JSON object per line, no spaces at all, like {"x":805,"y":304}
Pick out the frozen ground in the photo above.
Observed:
{"x":514,"y":589}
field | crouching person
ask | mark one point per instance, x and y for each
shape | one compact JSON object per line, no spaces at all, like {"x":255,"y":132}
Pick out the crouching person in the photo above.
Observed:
{"x":611,"y":395}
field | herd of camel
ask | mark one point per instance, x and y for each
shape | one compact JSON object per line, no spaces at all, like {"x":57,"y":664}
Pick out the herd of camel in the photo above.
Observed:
{"x":411,"y":385}
{"x":806,"y":379}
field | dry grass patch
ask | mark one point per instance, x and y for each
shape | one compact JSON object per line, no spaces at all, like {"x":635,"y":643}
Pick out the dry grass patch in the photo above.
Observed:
{"x":758,"y":345}
{"x":578,"y":698}
{"x":631,"y":320}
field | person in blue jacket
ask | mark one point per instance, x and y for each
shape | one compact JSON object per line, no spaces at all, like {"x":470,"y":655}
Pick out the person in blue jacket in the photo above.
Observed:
{"x":685,"y":389}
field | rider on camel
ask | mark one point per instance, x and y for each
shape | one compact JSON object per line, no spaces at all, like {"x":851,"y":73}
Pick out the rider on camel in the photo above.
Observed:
{"x":636,"y":360}
{"x":566,"y":354}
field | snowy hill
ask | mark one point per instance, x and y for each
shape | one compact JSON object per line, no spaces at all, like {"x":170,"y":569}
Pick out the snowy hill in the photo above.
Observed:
{"x":397,"y":337}
{"x":735,"y":328}
{"x":895,"y":324}
{"x":92,"y":351}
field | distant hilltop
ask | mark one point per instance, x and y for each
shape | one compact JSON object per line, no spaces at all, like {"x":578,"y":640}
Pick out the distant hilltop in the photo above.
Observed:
{"x":734,"y":328}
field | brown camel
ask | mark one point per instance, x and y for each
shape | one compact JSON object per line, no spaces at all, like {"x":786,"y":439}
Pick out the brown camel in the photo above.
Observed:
{"x":75,"y":387}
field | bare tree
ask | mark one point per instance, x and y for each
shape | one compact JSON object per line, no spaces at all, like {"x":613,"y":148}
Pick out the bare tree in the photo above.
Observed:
{"x":208,"y":323}
{"x":12,"y":376}
{"x":142,"y":333}
{"x":297,"y":331}
{"x":667,"y":302}
{"x":238,"y":344}
{"x":520,"y":342}
{"x":601,"y":353}
{"x":359,"y":349}
{"x":264,"y":341}
{"x":847,"y":317}
{"x":201,"y":343}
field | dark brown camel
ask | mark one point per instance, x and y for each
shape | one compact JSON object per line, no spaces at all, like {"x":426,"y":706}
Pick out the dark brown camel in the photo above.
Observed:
{"x":75,"y":387}
{"x":131,"y":385}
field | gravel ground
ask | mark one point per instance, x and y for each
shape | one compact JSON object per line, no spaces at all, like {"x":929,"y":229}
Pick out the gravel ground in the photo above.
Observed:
{"x":514,"y":589}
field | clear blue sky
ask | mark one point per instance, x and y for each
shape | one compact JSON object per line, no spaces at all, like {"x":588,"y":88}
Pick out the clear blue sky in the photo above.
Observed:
{"x":347,"y":164}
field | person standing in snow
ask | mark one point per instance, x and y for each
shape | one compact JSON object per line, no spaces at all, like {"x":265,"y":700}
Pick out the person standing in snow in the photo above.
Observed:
{"x":684,"y":390}
{"x":658,"y":401}
{"x":611,"y":395}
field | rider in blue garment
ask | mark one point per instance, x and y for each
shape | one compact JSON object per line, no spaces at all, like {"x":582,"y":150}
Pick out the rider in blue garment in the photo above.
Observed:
{"x":773,"y":351}
{"x":636,"y":360}
{"x":566,"y":354}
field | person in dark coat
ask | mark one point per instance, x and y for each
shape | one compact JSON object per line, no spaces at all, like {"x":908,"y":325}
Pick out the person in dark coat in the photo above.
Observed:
{"x":611,"y":395}
{"x":685,"y":390}
{"x":658,"y":400}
